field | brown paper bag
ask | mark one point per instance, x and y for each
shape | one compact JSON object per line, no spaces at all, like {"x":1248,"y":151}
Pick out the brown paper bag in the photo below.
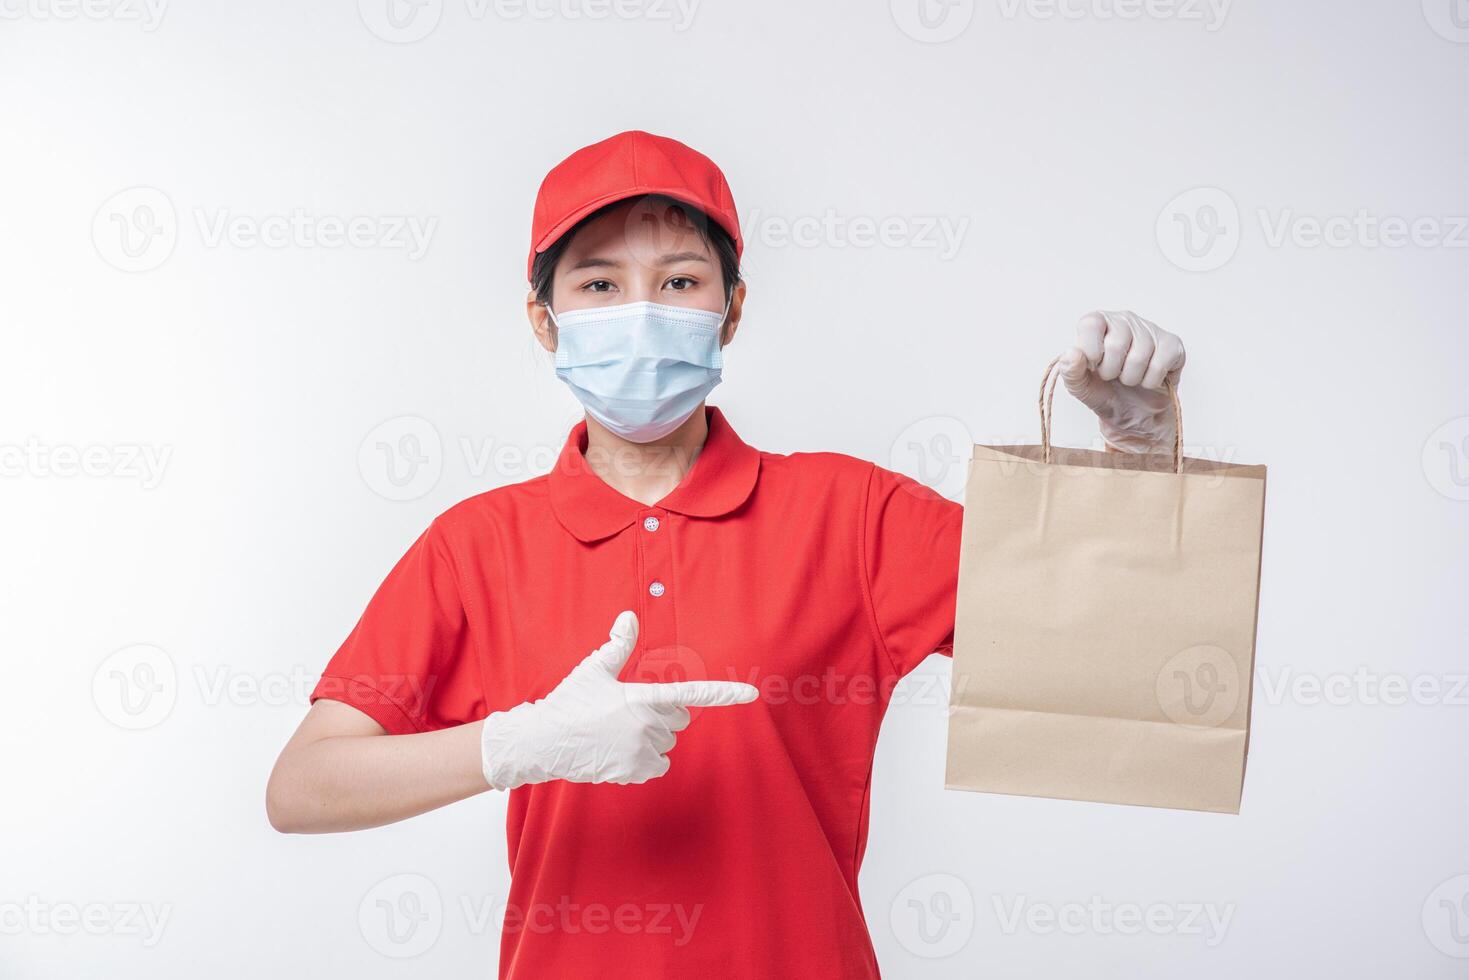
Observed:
{"x":1105,"y":633}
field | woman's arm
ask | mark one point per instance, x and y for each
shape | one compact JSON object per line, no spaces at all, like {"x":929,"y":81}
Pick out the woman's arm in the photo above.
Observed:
{"x":342,"y":771}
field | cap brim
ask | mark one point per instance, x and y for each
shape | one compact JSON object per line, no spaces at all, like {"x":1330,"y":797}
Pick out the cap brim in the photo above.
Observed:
{"x":567,"y":223}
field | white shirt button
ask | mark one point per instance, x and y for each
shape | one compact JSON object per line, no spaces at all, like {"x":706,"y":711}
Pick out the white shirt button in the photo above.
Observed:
{"x":656,"y":589}
{"x":650,"y":524}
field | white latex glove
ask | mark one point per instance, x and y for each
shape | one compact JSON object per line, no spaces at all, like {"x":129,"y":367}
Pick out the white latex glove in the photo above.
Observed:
{"x":1117,"y":369}
{"x":593,"y":728}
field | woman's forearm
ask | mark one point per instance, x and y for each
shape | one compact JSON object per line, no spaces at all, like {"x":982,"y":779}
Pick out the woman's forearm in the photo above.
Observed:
{"x":339,"y":781}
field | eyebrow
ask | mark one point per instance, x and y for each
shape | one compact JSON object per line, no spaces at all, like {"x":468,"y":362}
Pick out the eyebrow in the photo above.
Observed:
{"x":593,"y":261}
{"x":672,"y":257}
{"x":668,"y":258}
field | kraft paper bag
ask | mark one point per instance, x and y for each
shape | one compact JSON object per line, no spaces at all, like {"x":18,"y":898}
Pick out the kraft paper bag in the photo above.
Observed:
{"x":1105,"y":633}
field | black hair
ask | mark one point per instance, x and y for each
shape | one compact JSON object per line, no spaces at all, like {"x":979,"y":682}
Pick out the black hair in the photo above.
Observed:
{"x":719,"y":241}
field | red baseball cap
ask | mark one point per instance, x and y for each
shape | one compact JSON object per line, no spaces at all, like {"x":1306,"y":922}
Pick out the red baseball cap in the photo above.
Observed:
{"x":629,"y":164}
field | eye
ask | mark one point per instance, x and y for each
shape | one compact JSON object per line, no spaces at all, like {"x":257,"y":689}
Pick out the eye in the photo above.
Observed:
{"x":599,"y":286}
{"x":680,"y":283}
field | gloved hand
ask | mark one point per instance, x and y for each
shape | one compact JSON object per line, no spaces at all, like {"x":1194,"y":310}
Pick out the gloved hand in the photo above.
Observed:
{"x":593,"y":728}
{"x":1117,"y":369}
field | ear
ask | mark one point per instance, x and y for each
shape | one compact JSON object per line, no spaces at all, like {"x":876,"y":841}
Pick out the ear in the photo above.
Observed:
{"x":736,"y":308}
{"x":540,"y":321}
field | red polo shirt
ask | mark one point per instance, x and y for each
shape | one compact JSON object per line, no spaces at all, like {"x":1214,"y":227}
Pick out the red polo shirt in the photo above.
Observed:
{"x":819,"y":578}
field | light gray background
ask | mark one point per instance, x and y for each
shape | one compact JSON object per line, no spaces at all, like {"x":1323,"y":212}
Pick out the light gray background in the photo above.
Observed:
{"x":1053,"y":143}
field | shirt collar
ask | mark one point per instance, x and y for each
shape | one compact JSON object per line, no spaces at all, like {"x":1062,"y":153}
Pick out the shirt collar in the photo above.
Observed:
{"x":721,"y":480}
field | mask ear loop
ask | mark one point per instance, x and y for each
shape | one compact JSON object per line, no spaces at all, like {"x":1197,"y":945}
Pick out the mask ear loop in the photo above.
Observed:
{"x":557,"y":357}
{"x":724,"y":318}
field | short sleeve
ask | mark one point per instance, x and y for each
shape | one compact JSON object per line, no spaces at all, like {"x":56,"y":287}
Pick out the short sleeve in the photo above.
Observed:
{"x":408,"y":663}
{"x":911,"y":566}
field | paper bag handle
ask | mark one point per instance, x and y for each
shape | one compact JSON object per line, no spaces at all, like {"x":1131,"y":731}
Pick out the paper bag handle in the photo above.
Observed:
{"x":1048,"y":393}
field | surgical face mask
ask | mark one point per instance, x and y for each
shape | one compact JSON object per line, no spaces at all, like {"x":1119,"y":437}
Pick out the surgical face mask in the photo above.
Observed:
{"x":639,"y":368}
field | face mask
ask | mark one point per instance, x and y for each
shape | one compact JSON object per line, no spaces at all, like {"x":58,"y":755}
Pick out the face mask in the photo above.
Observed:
{"x":639,"y":368}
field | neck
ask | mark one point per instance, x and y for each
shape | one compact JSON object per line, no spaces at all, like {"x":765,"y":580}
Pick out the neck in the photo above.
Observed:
{"x":645,"y":471}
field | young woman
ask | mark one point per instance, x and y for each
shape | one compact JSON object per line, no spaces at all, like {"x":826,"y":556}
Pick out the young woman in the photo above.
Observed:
{"x":761,"y":607}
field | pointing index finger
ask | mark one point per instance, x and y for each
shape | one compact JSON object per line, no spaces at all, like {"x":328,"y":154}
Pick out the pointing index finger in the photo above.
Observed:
{"x":692,"y":694}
